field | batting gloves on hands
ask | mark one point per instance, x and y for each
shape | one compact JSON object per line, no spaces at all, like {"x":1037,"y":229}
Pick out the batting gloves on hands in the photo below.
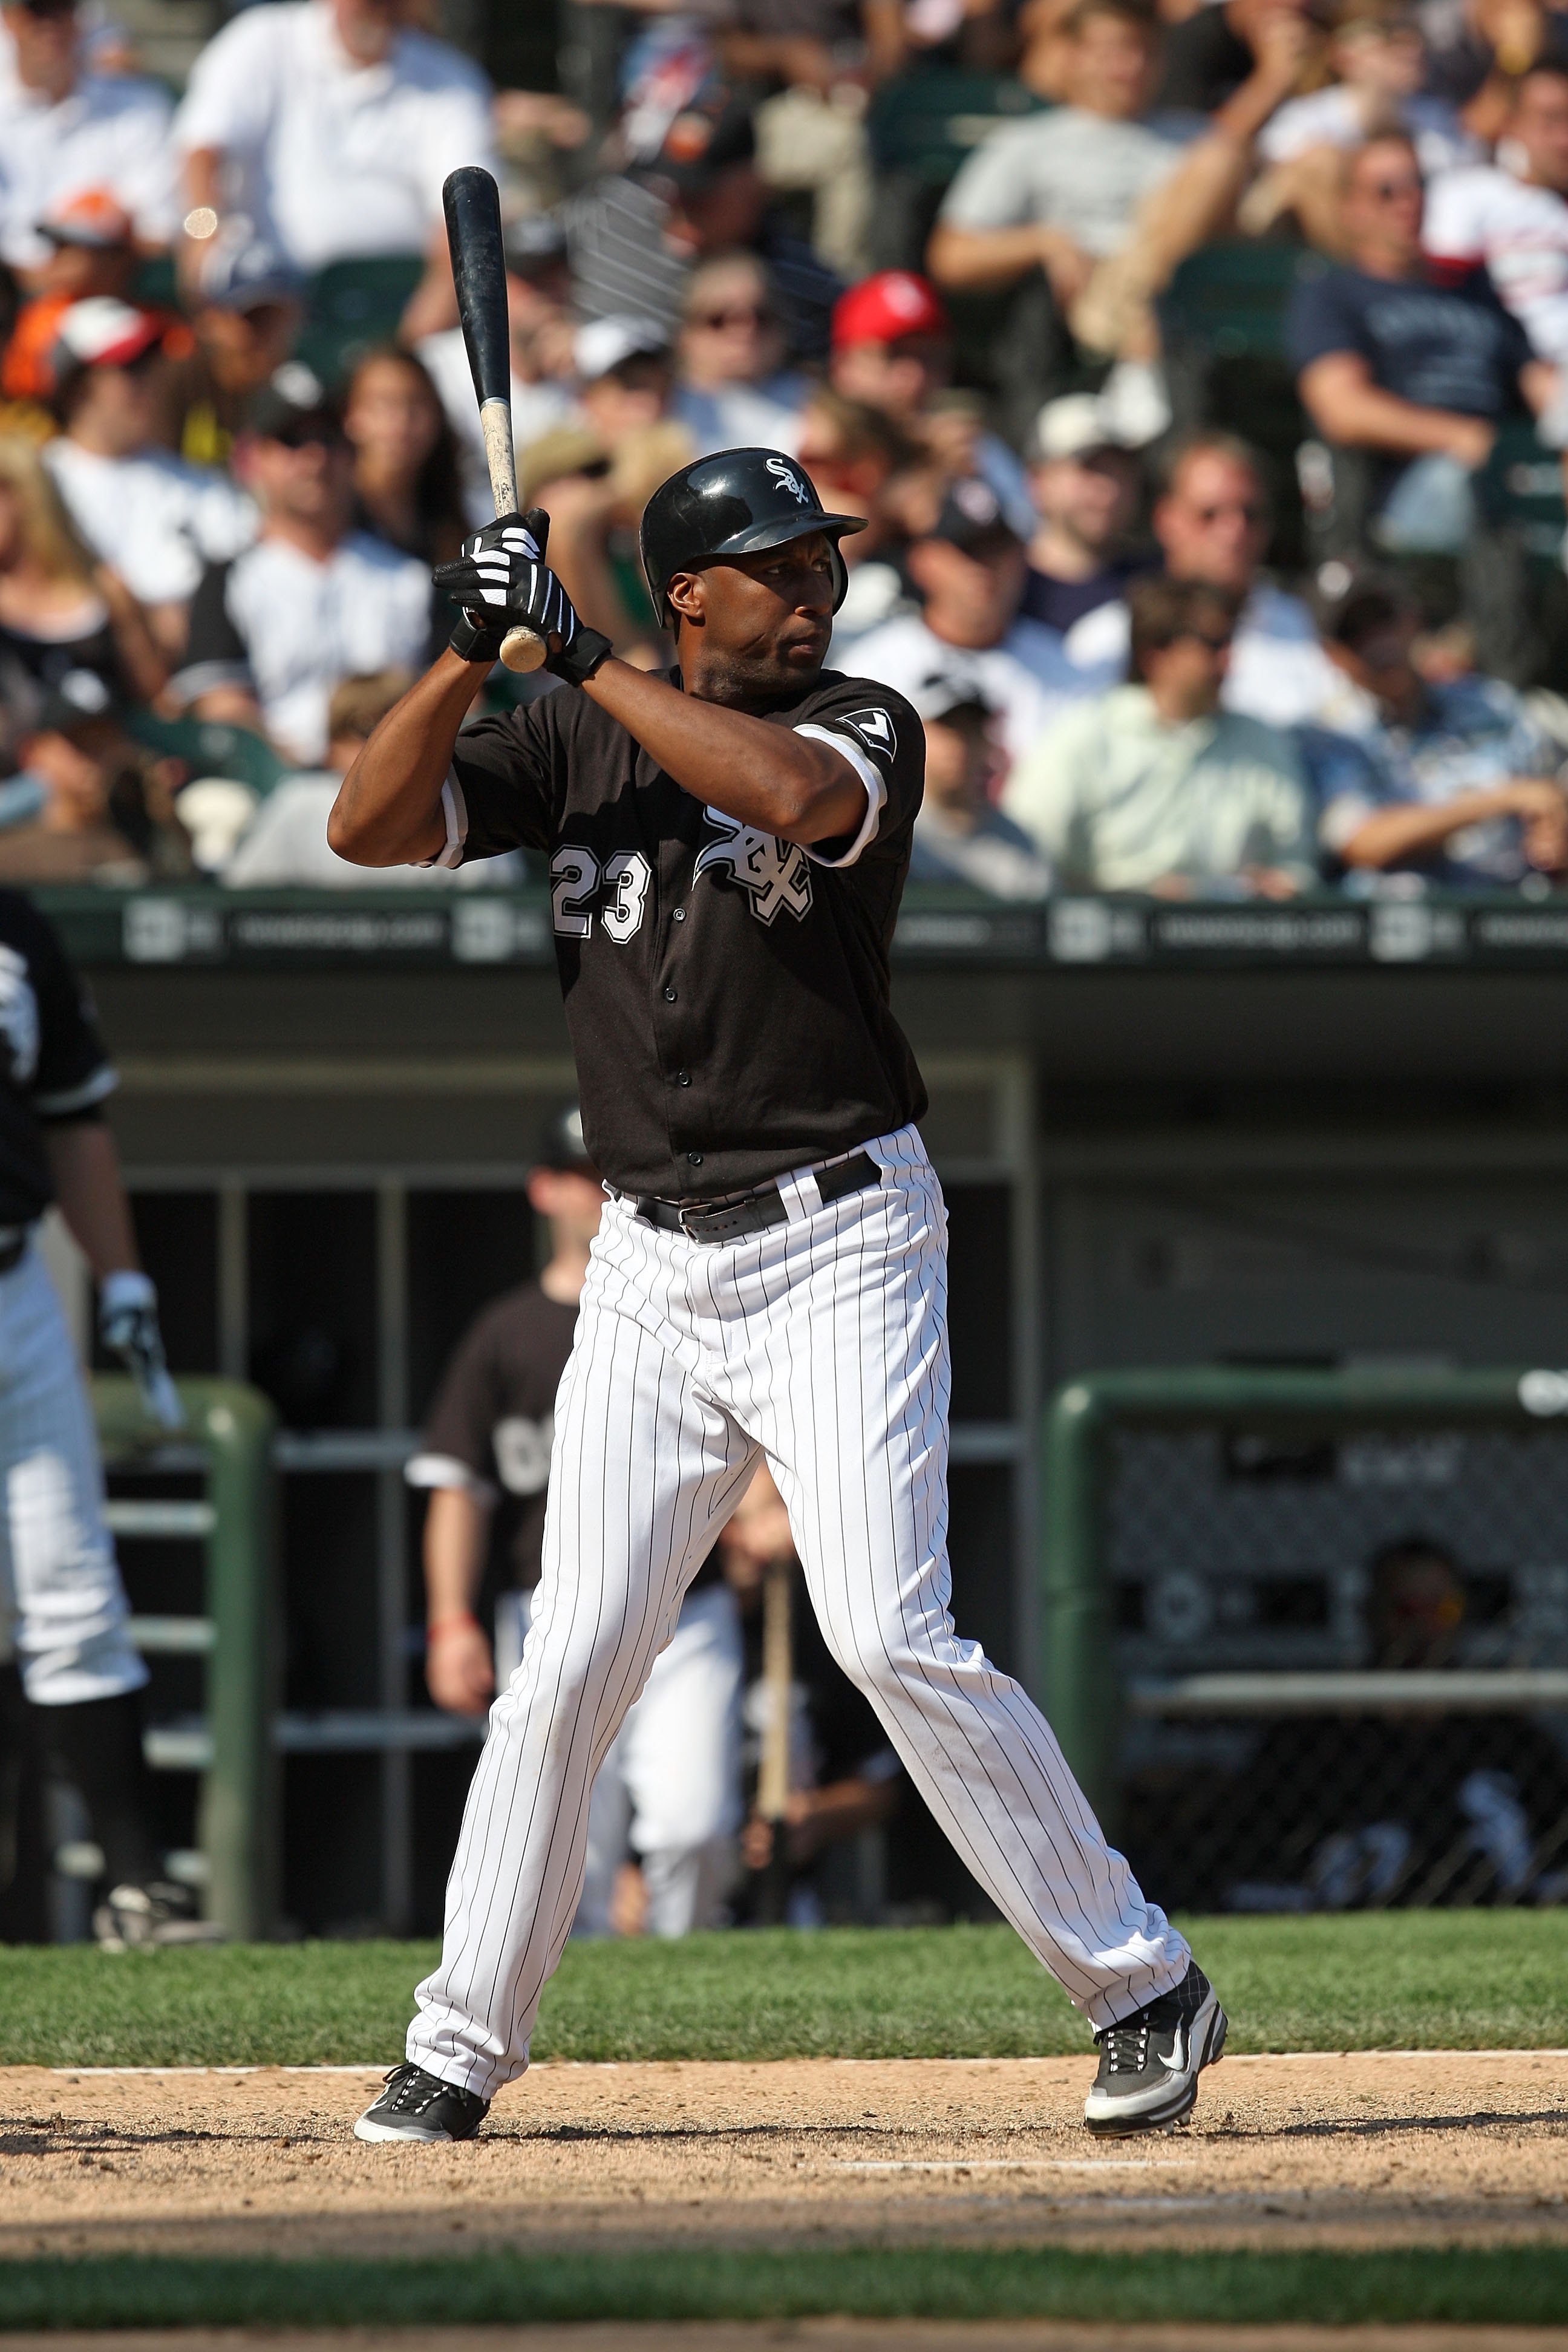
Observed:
{"x":502,"y":582}
{"x":127,"y":1327}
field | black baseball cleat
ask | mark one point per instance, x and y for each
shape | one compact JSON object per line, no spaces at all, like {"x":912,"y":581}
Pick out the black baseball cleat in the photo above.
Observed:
{"x":1150,"y":2061}
{"x":419,"y":2107}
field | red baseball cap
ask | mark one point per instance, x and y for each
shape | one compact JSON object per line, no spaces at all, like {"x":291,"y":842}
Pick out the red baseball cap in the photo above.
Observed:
{"x":886,"y":309}
{"x":104,"y":333}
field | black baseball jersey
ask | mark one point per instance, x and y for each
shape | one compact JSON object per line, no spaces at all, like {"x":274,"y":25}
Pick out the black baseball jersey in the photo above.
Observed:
{"x":727,"y":993}
{"x":491,"y":1426}
{"x":52,"y":1062}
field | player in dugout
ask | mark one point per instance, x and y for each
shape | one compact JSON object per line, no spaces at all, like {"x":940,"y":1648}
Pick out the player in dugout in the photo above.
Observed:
{"x":727,"y":848}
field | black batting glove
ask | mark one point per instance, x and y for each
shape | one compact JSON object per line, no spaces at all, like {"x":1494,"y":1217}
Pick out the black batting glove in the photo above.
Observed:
{"x":502,"y":582}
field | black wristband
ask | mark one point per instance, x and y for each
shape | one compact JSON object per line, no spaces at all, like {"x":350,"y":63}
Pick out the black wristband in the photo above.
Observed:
{"x":577,"y":662}
{"x":474,"y":640}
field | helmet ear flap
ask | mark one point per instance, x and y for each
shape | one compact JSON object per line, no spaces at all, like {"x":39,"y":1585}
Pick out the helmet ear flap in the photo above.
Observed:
{"x":840,"y":577}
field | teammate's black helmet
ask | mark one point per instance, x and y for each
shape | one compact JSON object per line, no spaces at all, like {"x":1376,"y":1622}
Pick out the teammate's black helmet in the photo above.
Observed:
{"x":734,"y":503}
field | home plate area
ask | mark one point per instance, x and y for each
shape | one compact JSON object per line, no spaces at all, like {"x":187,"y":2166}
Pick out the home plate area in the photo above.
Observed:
{"x":1361,"y":2150}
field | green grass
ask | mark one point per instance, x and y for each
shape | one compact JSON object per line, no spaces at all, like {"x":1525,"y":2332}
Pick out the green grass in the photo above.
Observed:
{"x":1514,"y":2284}
{"x":1474,"y":1979}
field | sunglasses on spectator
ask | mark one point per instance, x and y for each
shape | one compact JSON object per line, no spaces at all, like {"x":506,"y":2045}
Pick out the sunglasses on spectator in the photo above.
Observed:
{"x":1388,"y":192}
{"x":1251,"y":512}
{"x":737,"y":314}
{"x":309,"y":434}
{"x":1217,"y":641}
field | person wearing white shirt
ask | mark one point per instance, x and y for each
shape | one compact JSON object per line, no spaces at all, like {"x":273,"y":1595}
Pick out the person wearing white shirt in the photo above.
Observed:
{"x":312,"y":602}
{"x":153,"y":518}
{"x":960,"y":837}
{"x":1154,"y":787}
{"x":734,"y":390}
{"x":969,"y":571}
{"x":1513,"y":215}
{"x":332,"y":126}
{"x":64,"y":130}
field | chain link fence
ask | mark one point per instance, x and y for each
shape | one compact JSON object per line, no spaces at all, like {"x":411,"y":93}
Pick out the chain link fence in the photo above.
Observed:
{"x":1332,"y":1650}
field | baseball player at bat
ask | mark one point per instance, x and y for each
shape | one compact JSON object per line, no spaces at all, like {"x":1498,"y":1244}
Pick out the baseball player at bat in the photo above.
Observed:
{"x":63,"y":1608}
{"x":727,"y":846}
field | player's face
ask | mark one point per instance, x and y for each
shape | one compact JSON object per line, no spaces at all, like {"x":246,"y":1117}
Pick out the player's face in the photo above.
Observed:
{"x":758,"y":623}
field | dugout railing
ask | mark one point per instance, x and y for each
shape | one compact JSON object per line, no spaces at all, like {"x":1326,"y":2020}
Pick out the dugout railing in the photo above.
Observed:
{"x":1173,"y":1498}
{"x":226,"y":1450}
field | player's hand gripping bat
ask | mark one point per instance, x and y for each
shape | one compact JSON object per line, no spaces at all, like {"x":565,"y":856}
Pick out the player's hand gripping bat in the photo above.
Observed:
{"x":472,"y":206}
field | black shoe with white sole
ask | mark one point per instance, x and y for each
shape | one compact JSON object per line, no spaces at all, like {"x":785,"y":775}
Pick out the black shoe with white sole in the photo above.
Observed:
{"x":1150,"y":2061}
{"x":419,"y":2107}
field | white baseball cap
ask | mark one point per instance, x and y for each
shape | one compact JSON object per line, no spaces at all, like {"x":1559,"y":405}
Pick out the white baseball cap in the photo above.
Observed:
{"x":603,"y":343}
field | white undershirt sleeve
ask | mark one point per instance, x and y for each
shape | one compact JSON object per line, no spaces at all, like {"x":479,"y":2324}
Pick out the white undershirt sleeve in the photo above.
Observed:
{"x":454,"y":809}
{"x":875,"y":792}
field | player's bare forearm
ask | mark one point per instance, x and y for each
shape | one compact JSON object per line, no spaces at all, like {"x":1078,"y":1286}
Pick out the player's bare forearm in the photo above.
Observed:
{"x":388,"y":809}
{"x":766,"y":776}
{"x":85,"y":1166}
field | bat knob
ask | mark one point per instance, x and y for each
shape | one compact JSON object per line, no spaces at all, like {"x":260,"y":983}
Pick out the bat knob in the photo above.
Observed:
{"x":523,"y":649}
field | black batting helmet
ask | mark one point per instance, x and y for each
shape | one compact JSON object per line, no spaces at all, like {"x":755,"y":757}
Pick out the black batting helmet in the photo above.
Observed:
{"x":734,"y":503}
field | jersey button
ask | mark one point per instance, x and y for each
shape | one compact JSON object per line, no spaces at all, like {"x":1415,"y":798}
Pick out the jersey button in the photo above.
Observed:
{"x":695,"y":1158}
{"x":669,"y":996}
{"x":678,"y":914}
{"x":683,"y":1077}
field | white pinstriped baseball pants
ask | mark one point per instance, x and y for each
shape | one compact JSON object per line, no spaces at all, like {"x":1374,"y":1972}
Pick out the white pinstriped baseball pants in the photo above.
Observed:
{"x":62,"y":1605}
{"x":822,"y":1343}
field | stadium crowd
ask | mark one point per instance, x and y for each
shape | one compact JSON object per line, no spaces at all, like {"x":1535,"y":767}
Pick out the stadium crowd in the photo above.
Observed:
{"x":1201,"y":372}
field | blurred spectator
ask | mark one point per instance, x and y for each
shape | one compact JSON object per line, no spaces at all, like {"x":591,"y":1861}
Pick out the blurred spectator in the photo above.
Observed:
{"x":313,"y":601}
{"x":1213,"y":522}
{"x":1416,"y":373}
{"x":1481,"y":48}
{"x":62,"y":614}
{"x":625,"y":374}
{"x":539,"y":303}
{"x":153,"y":517}
{"x":104,"y":809}
{"x":94,"y":252}
{"x":735,"y":390}
{"x":1470,"y":791}
{"x":854,"y":454}
{"x":285,"y":844}
{"x":690,"y":188}
{"x":811,"y":133}
{"x":408,"y":491}
{"x":1086,"y":485}
{"x":1209,"y":52}
{"x":1512,"y":215}
{"x":844,"y":1776}
{"x":892,"y":350}
{"x":959,"y":836}
{"x":331,"y":124}
{"x":968,"y":571}
{"x":65,"y":130}
{"x":1071,"y":193}
{"x":594,"y":499}
{"x":1378,"y":56}
{"x":246,"y":311}
{"x":1153,"y":786}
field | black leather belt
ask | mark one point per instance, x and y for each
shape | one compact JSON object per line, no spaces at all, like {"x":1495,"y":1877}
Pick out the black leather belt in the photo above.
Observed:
{"x":753,"y":1212}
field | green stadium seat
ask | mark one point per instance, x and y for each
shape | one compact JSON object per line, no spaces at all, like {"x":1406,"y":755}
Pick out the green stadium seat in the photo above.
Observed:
{"x":1521,"y":484}
{"x":209,"y":748}
{"x":352,"y":305}
{"x":925,"y":124}
{"x":1231,"y":297}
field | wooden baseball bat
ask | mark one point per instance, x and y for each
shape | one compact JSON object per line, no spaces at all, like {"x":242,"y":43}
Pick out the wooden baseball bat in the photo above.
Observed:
{"x":773,"y":1775}
{"x":472,"y":205}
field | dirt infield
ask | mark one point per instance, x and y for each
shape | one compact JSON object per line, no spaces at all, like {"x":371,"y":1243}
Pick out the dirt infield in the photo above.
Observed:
{"x":824,"y":2335}
{"x":1356,"y":2151}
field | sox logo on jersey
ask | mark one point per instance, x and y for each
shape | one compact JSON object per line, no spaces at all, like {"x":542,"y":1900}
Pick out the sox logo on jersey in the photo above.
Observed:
{"x":773,"y":873}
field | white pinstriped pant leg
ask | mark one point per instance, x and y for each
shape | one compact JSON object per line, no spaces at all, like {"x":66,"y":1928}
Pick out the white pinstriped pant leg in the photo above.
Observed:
{"x":62,"y":1604}
{"x":646,"y":1469}
{"x":837,"y":1361}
